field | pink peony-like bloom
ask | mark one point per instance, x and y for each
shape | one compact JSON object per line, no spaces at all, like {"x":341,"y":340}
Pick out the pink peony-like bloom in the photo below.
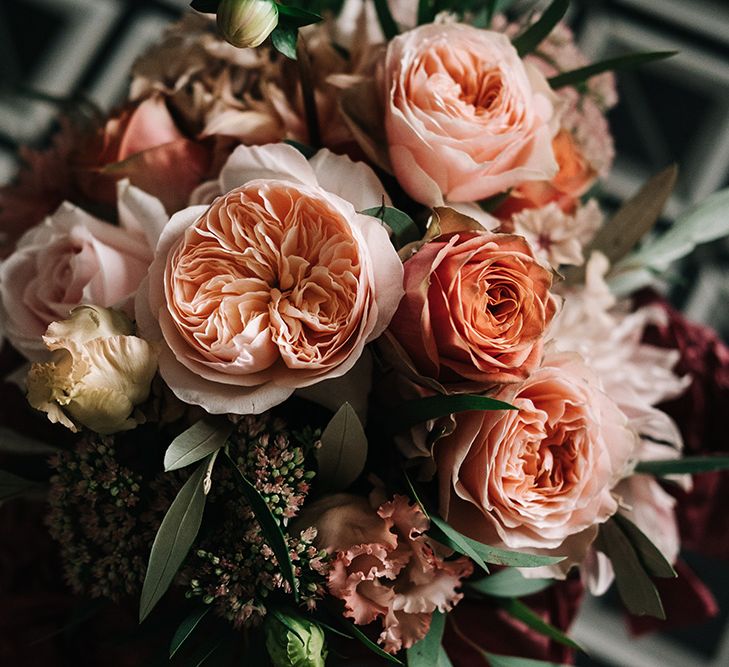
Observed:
{"x":540,"y":477}
{"x":465,"y":117}
{"x":279,"y":284}
{"x":384,"y":567}
{"x":69,"y":259}
{"x":475,"y":310}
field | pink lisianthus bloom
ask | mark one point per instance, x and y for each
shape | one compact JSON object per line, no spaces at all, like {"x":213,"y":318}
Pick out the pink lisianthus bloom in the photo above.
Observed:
{"x":384,"y":566}
{"x":277,"y":285}
{"x":475,"y":310}
{"x":465,"y":117}
{"x":539,"y":478}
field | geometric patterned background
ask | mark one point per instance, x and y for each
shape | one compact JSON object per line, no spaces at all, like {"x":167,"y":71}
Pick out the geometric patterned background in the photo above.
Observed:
{"x":673,"y":111}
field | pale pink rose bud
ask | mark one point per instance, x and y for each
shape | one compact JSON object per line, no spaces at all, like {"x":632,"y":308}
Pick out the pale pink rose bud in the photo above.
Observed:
{"x":247,"y":23}
{"x":98,"y":372}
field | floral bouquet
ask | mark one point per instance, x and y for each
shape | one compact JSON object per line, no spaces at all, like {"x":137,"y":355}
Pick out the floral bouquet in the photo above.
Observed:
{"x":341,"y":355}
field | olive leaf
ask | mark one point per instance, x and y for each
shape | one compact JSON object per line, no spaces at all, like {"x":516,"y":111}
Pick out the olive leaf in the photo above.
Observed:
{"x":688,"y":465}
{"x":426,"y":652}
{"x":174,"y":538}
{"x":533,"y":36}
{"x":202,"y":438}
{"x":521,"y":612}
{"x":343,"y":450}
{"x":577,"y":76}
{"x":509,"y":583}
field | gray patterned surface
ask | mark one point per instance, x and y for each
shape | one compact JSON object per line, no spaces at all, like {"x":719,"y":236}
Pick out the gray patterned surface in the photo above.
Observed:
{"x":676,"y":110}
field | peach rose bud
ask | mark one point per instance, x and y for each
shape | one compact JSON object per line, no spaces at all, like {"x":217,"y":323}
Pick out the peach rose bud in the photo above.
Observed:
{"x":97,"y":374}
{"x":247,"y":23}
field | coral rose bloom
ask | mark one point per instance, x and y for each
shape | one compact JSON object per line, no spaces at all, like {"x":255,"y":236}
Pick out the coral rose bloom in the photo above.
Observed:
{"x":475,"y":310}
{"x":534,"y":477}
{"x":465,"y":117}
{"x":279,"y":284}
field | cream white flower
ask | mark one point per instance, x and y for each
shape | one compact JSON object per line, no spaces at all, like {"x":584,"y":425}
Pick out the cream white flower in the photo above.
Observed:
{"x":247,"y":23}
{"x":97,"y":374}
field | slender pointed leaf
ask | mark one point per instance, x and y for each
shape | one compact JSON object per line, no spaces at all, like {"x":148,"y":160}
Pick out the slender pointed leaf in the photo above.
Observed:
{"x":577,"y":76}
{"x":533,"y":36}
{"x":387,"y":23}
{"x":284,"y":39}
{"x":12,"y":486}
{"x":173,"y":541}
{"x":366,"y":641}
{"x":483,"y":553}
{"x":634,"y":585}
{"x":689,"y":465}
{"x":295,"y":16}
{"x":509,"y":583}
{"x":186,"y":628}
{"x":531,"y":619}
{"x":422,"y":410}
{"x":270,"y":527}
{"x":426,"y":652}
{"x":202,"y":438}
{"x":343,"y":450}
{"x":653,"y":560}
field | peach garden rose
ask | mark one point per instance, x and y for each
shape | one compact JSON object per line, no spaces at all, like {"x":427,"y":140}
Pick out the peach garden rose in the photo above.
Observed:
{"x":277,"y":285}
{"x":475,"y":310}
{"x":540,"y":477}
{"x":465,"y":117}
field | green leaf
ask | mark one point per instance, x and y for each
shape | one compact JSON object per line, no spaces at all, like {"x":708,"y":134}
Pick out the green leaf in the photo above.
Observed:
{"x":205,"y":6}
{"x":404,"y":229}
{"x":527,"y":616}
{"x":432,"y":407}
{"x":443,"y":659}
{"x":186,"y":628}
{"x":577,"y":76}
{"x":284,"y":39}
{"x":202,"y":438}
{"x":12,"y":486}
{"x":689,"y":465}
{"x":533,"y":36}
{"x":653,"y":560}
{"x":702,"y":223}
{"x":387,"y":23}
{"x":296,"y":17}
{"x":515,"y":661}
{"x":631,"y":223}
{"x":269,"y":527}
{"x":343,"y":450}
{"x":634,"y":585}
{"x":509,"y":584}
{"x":366,"y":641}
{"x":173,"y":541}
{"x":426,"y":652}
{"x":483,"y":553}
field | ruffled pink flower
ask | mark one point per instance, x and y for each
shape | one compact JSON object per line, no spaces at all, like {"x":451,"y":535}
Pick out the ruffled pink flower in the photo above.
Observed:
{"x":384,"y":566}
{"x":278,"y":285}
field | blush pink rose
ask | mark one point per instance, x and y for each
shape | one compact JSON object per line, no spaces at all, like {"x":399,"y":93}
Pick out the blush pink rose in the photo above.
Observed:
{"x":277,"y":285}
{"x":465,"y":117}
{"x":475,"y":310}
{"x":540,"y":477}
{"x":384,"y":567}
{"x":69,"y":259}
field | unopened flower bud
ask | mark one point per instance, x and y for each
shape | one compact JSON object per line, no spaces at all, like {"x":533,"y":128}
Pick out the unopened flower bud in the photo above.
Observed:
{"x":293,"y":641}
{"x":247,"y":23}
{"x":98,"y":372}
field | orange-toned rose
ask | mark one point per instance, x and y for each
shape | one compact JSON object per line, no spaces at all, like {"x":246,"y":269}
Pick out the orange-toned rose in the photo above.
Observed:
{"x":279,"y":284}
{"x":475,"y":310}
{"x":465,"y":117}
{"x":574,"y":178}
{"x":539,"y":477}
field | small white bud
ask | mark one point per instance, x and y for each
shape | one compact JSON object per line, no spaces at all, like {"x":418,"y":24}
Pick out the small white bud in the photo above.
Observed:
{"x":247,"y":23}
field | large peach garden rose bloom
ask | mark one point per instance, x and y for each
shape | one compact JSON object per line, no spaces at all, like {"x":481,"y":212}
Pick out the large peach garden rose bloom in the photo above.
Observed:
{"x":277,"y":285}
{"x":540,"y":477}
{"x":475,"y":310}
{"x":465,"y":117}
